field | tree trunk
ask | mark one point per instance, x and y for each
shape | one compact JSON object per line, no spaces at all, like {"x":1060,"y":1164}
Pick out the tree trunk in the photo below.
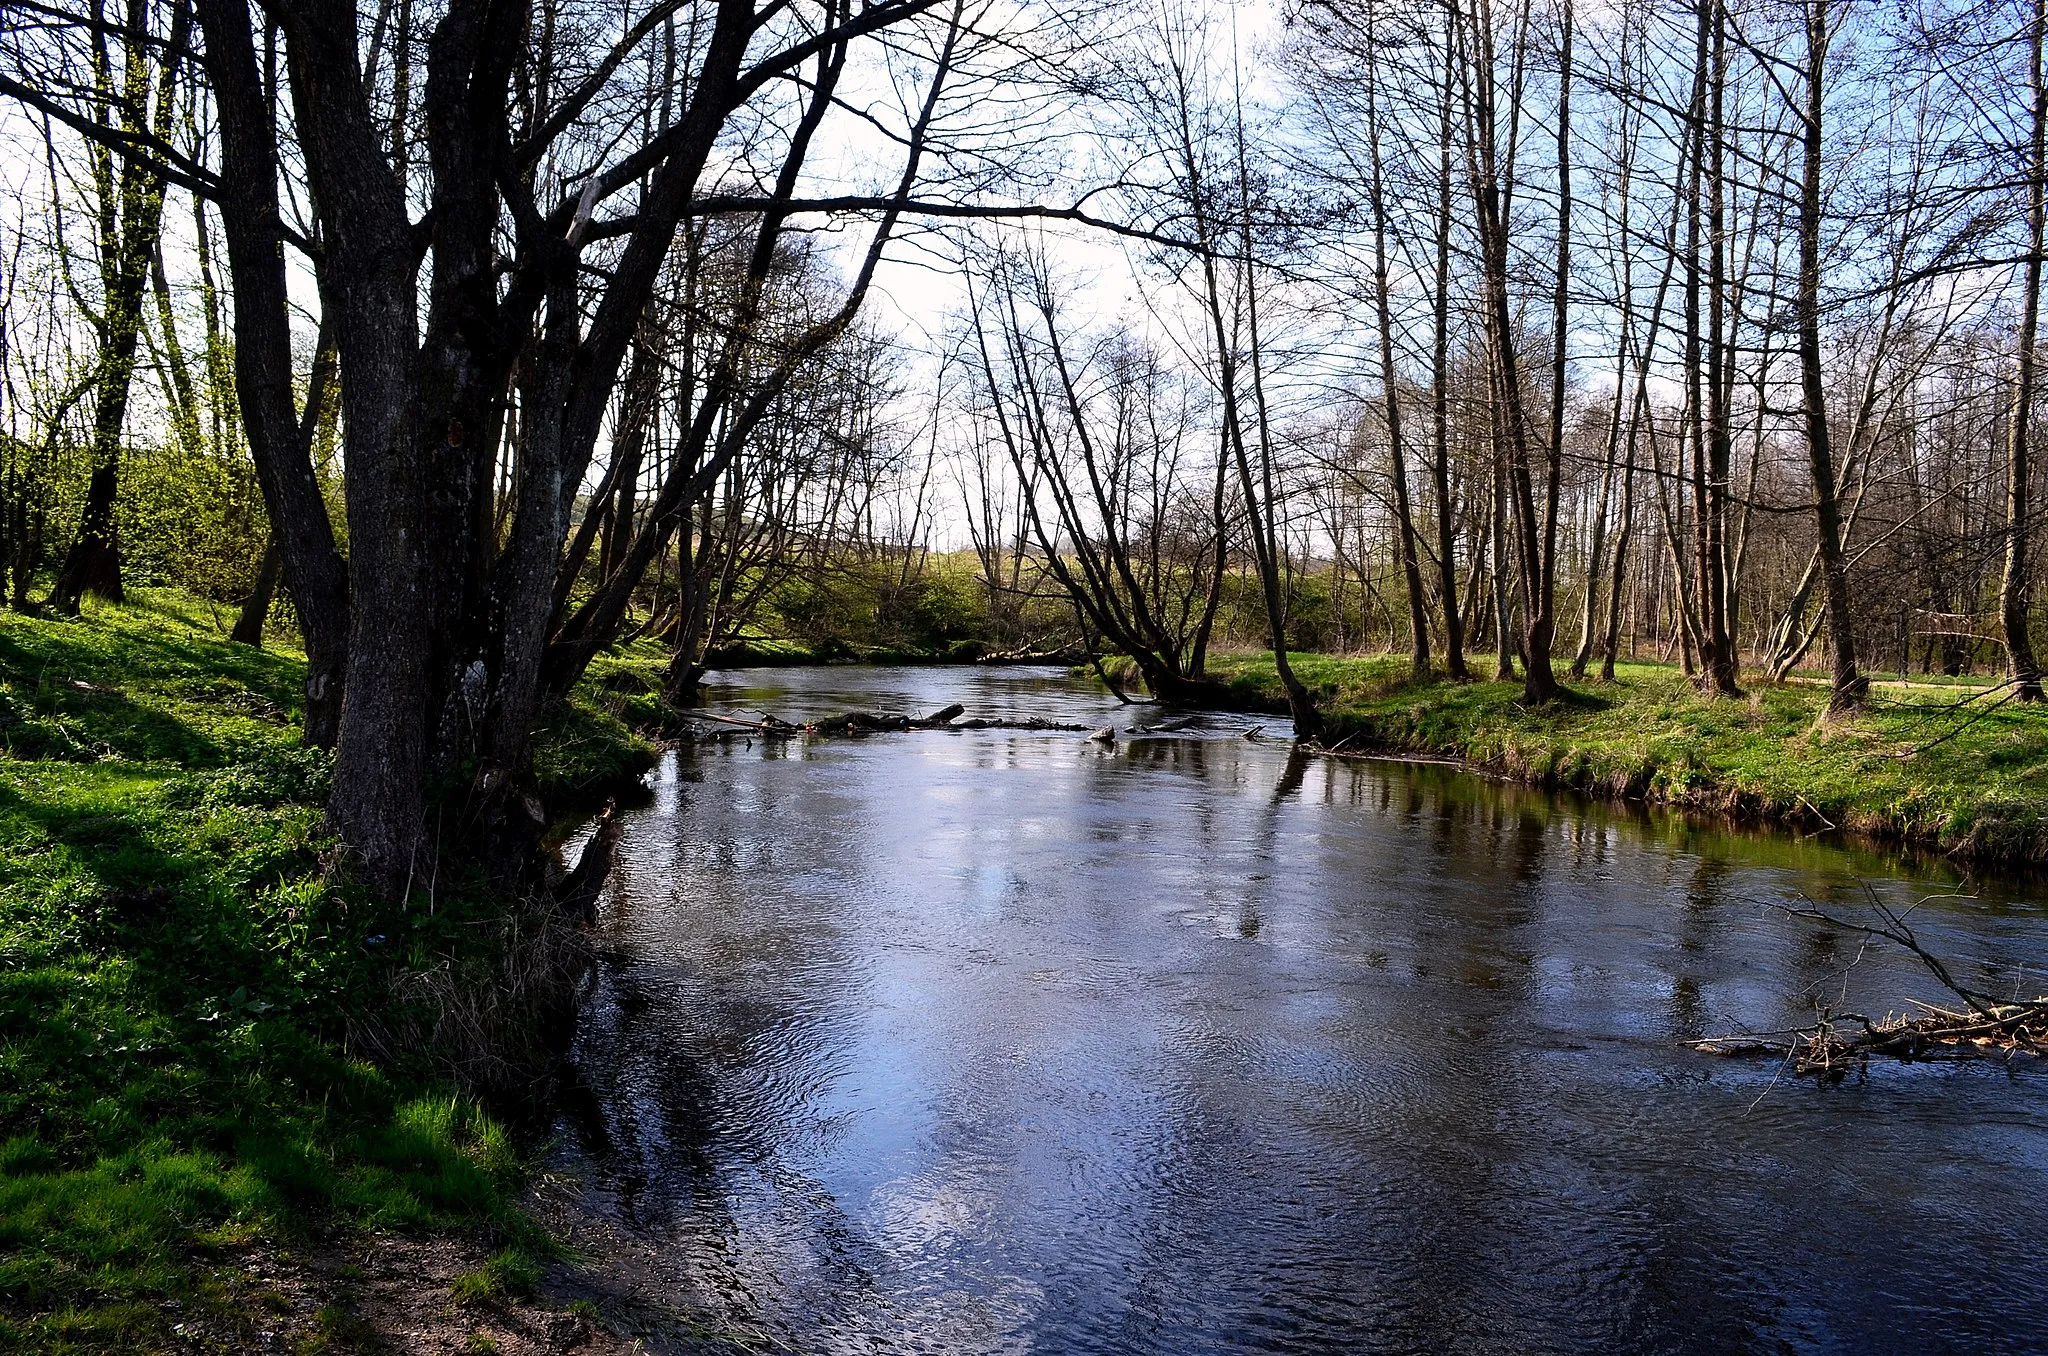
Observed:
{"x":2015,"y":582}
{"x":1411,"y":570}
{"x":1440,"y":401}
{"x":1847,"y":688}
{"x":1722,"y":661}
{"x":256,"y":607}
{"x":279,"y":438}
{"x":130,"y":217}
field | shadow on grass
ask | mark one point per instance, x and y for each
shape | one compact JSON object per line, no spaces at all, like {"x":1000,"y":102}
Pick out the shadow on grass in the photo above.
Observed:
{"x":1577,"y":699}
{"x":123,"y":686}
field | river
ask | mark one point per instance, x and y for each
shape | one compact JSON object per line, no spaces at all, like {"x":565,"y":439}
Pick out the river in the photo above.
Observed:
{"x":1003,"y":1041}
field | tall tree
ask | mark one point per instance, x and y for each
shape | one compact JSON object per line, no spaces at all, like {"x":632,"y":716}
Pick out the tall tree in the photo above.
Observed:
{"x":1846,"y":686}
{"x":1390,"y":383}
{"x":2014,"y":588}
{"x":134,"y":95}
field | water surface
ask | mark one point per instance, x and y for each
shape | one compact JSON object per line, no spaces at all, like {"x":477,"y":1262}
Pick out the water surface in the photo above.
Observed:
{"x":1004,"y":1042}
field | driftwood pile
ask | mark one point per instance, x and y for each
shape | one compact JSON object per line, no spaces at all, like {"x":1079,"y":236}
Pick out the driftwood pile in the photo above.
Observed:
{"x":1838,"y":1043}
{"x":1844,"y":1042}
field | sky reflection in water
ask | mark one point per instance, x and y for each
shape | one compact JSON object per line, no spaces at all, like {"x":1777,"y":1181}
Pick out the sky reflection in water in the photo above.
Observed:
{"x":1006,"y":1042}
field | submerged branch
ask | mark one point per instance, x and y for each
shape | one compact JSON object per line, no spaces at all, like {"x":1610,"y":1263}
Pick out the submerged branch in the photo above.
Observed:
{"x":1837,"y":1042}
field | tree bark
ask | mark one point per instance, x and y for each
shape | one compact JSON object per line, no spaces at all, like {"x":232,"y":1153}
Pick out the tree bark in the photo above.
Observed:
{"x":279,"y":439}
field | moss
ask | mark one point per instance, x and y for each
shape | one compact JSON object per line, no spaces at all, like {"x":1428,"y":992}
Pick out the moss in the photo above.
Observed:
{"x":1919,"y":766}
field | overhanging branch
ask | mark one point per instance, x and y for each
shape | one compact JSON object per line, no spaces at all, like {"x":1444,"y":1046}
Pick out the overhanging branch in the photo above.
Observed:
{"x":720,"y":205}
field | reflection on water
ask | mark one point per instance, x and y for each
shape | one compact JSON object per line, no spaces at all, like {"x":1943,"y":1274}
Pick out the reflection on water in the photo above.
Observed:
{"x":1003,"y":1041}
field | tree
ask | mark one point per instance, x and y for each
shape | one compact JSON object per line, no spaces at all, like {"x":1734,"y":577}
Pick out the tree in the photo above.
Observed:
{"x":1846,"y":686}
{"x":2014,"y":591}
{"x":131,"y":95}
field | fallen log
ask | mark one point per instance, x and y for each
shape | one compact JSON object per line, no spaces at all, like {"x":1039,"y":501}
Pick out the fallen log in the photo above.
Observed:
{"x":1065,"y":659}
{"x":766,"y":725}
{"x":1028,"y":723}
{"x":1825,"y":1053}
{"x":871,"y":722}
{"x":1165,"y":726}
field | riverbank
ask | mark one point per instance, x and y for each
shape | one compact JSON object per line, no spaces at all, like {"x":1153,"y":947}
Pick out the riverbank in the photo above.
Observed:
{"x":1947,"y":769}
{"x":216,"y":1110}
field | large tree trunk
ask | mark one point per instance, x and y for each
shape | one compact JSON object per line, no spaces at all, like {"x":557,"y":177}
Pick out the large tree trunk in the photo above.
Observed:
{"x":279,"y":438}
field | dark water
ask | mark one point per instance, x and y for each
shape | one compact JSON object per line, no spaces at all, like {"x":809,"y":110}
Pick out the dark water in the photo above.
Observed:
{"x":1006,"y":1042}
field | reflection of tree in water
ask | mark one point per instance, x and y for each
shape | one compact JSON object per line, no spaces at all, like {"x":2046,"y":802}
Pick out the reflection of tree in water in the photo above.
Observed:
{"x":1699,"y":934}
{"x":1398,"y":1094}
{"x":708,"y":1044}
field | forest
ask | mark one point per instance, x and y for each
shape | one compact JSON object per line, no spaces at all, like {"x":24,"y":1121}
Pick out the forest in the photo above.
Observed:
{"x":1518,"y":342}
{"x":1606,"y":395}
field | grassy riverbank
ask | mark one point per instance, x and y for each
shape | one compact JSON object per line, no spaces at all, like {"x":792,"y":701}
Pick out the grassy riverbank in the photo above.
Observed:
{"x":197,"y":1023}
{"x":1932,"y":766}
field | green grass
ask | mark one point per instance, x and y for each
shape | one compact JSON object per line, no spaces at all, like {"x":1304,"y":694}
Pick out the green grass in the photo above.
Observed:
{"x":509,"y":1273}
{"x":1915,"y":767}
{"x":179,"y":1070}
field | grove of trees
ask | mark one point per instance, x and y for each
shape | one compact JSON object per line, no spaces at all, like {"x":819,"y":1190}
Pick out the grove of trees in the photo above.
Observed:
{"x":474,"y":337}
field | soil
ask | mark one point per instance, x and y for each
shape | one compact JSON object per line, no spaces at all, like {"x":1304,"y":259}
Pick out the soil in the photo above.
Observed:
{"x":381,"y":1294}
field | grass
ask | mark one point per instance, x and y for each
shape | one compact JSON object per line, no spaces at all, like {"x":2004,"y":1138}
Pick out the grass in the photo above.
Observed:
{"x":181,"y":1068}
{"x":510,"y":1272}
{"x":1920,"y":766}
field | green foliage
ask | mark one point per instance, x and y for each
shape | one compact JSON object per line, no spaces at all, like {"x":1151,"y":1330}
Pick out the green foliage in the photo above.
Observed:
{"x":191,"y":521}
{"x":177,"y":976}
{"x":590,"y":747}
{"x":1918,"y":766}
{"x":188,"y":520}
{"x":868,"y":610}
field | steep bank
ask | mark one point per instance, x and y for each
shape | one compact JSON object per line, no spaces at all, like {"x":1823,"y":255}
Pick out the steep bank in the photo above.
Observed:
{"x":224,"y":1076}
{"x":1953,"y":769}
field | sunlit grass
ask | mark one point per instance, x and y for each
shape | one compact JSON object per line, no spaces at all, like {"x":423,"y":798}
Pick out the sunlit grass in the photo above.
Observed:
{"x":177,"y":972}
{"x":1941,"y":768}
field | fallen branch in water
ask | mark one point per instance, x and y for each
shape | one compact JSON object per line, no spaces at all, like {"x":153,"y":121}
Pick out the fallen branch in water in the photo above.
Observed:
{"x":869,"y":722}
{"x":766,"y":725}
{"x":1416,"y":759}
{"x":1985,"y":1028}
{"x":1174,"y":726}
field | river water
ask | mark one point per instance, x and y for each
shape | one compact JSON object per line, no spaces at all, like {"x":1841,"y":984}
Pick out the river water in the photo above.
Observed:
{"x":1003,"y":1041}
